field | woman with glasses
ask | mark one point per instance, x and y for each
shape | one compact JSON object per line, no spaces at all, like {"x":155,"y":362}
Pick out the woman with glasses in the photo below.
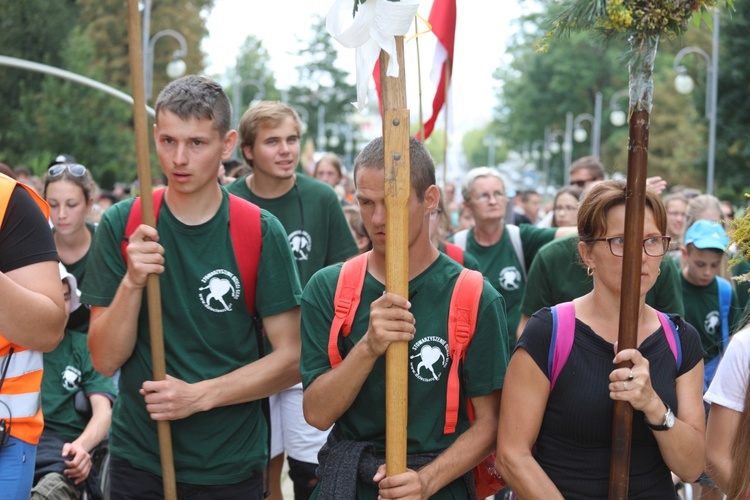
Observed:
{"x":69,"y":190}
{"x":554,"y":441}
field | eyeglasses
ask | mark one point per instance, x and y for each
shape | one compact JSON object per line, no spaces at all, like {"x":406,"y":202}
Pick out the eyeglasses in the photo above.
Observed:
{"x":74,"y":169}
{"x":486,"y":197}
{"x":681,"y":215}
{"x":566,"y":208}
{"x":435,"y":214}
{"x":579,"y":183}
{"x":655,"y":246}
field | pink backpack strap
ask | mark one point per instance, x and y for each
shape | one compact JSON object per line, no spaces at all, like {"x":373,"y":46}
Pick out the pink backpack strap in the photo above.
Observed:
{"x":462,"y":321}
{"x":345,"y":303}
{"x":673,"y":337}
{"x":561,"y":343}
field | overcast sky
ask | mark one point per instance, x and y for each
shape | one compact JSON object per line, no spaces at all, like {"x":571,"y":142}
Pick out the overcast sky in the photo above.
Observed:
{"x":481,"y":34}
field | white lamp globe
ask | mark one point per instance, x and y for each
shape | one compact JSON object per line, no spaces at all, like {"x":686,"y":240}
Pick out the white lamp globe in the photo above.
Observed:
{"x":176,"y":68}
{"x":617,"y":118}
{"x":683,"y":83}
{"x":580,"y":134}
{"x":554,"y":147}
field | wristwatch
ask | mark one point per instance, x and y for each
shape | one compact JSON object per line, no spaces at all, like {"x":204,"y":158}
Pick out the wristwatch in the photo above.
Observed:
{"x":666,"y":425}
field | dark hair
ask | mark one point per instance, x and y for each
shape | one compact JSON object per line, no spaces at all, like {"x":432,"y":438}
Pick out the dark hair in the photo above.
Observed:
{"x":528,"y":193}
{"x":591,"y":164}
{"x":595,"y":207}
{"x":422,"y":168}
{"x":5,"y":169}
{"x":85,"y":182}
{"x":194,"y":96}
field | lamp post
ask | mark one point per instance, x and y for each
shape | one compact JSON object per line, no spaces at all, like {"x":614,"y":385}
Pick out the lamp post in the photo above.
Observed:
{"x":176,"y":66}
{"x":552,"y":148}
{"x":238,"y":85}
{"x":336,"y":130}
{"x":492,"y":142}
{"x":579,"y":133}
{"x":684,"y":85}
{"x":617,"y":116}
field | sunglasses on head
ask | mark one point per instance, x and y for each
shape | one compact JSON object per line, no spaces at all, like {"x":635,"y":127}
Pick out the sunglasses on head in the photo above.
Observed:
{"x":74,"y":169}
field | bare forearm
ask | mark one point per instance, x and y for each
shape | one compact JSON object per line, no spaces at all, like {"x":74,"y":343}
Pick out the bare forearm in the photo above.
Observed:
{"x":113,"y":330}
{"x":524,"y":475}
{"x":333,"y":392}
{"x":682,"y":447}
{"x":98,"y":427}
{"x":268,"y":375}
{"x":32,"y":317}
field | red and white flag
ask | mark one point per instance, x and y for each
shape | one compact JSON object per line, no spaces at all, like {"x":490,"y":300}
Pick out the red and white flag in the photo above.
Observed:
{"x":443,"y":21}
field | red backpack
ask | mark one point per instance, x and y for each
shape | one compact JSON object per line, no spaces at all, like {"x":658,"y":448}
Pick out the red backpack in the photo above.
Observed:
{"x":462,"y":320}
{"x":245,"y":234}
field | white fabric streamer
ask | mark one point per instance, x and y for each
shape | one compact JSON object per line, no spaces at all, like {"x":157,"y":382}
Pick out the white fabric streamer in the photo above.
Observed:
{"x":375,"y":27}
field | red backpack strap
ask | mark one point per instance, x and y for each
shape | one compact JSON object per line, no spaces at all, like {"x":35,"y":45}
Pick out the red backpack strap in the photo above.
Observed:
{"x":245,"y":232}
{"x":345,"y":303}
{"x":135,"y":219}
{"x":462,"y":321}
{"x":563,"y":333}
{"x":455,"y":252}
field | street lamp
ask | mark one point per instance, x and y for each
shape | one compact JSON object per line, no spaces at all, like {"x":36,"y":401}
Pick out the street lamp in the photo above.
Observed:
{"x":580,"y":134}
{"x":684,"y":85}
{"x":336,"y":130}
{"x":238,"y":85}
{"x":176,"y":66}
{"x":617,"y":116}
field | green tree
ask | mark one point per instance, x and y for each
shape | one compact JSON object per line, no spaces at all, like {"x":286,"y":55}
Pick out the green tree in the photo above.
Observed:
{"x":324,"y":93}
{"x":733,"y":110}
{"x":255,"y":78}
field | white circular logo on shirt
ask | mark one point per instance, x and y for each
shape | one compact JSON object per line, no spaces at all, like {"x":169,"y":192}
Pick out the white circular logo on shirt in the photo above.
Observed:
{"x":429,"y":357}
{"x":510,"y":278}
{"x":220,"y":291}
{"x":711,"y":322}
{"x":71,"y":378}
{"x":301,"y":244}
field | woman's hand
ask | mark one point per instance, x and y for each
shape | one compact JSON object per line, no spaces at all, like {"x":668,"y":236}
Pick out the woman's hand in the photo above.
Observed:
{"x":634,"y":384}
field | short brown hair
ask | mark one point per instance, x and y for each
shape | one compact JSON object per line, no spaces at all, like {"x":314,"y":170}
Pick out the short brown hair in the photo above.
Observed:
{"x":595,"y":207}
{"x":194,"y":96}
{"x":591,"y":164}
{"x":264,"y":114}
{"x":422,"y":168}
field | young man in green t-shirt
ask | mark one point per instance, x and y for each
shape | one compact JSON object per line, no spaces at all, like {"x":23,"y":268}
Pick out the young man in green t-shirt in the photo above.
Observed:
{"x":352,"y":395}
{"x":319,"y":235}
{"x":215,"y":376}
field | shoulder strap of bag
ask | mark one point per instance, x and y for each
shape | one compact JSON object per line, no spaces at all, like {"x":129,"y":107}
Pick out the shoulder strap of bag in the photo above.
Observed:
{"x":462,"y":321}
{"x":561,"y":343}
{"x":135,"y":218}
{"x":725,"y":302}
{"x":515,"y":239}
{"x":673,"y":337}
{"x":455,"y":252}
{"x":459,"y":239}
{"x":345,"y":303}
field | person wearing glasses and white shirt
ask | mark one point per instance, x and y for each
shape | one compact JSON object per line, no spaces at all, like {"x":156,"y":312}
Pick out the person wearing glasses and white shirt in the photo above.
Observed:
{"x":504,"y":251}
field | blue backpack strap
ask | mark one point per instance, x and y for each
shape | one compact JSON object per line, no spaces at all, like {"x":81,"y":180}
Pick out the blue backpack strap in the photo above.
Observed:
{"x":561,"y":343}
{"x":672,"y":336}
{"x":725,"y":302}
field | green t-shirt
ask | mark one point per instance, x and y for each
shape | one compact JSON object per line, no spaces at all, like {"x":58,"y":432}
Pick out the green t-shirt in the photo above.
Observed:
{"x":429,"y":293}
{"x":208,"y":332}
{"x":702,"y":311}
{"x":67,"y":371}
{"x":312,"y":216}
{"x":557,"y":275}
{"x":500,"y":266}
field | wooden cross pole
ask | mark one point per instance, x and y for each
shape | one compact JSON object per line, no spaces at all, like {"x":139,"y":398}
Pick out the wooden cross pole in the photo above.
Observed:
{"x":622,"y":426}
{"x":153,"y":291}
{"x":397,"y":187}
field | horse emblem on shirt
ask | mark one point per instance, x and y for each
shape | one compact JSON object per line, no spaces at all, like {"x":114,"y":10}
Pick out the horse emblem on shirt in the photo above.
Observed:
{"x":510,"y":278}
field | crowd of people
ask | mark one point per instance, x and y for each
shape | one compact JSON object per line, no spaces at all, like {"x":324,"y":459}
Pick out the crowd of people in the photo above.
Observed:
{"x":276,"y":320}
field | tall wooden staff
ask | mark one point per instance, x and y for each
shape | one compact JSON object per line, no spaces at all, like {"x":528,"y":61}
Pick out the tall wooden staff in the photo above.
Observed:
{"x":152,"y":286}
{"x":397,"y":187}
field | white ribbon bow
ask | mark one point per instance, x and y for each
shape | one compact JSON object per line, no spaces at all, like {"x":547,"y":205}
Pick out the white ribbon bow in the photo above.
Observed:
{"x":375,"y":27}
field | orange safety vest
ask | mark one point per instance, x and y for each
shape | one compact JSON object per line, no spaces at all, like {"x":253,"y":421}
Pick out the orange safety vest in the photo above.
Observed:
{"x":21,"y":391}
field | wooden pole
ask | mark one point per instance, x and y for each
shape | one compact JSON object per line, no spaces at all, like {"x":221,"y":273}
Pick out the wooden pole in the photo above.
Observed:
{"x":622,"y":428}
{"x":153,"y":291}
{"x":397,"y":187}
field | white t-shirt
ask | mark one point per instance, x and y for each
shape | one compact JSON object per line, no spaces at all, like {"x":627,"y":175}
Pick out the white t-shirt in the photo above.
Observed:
{"x":729,"y":386}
